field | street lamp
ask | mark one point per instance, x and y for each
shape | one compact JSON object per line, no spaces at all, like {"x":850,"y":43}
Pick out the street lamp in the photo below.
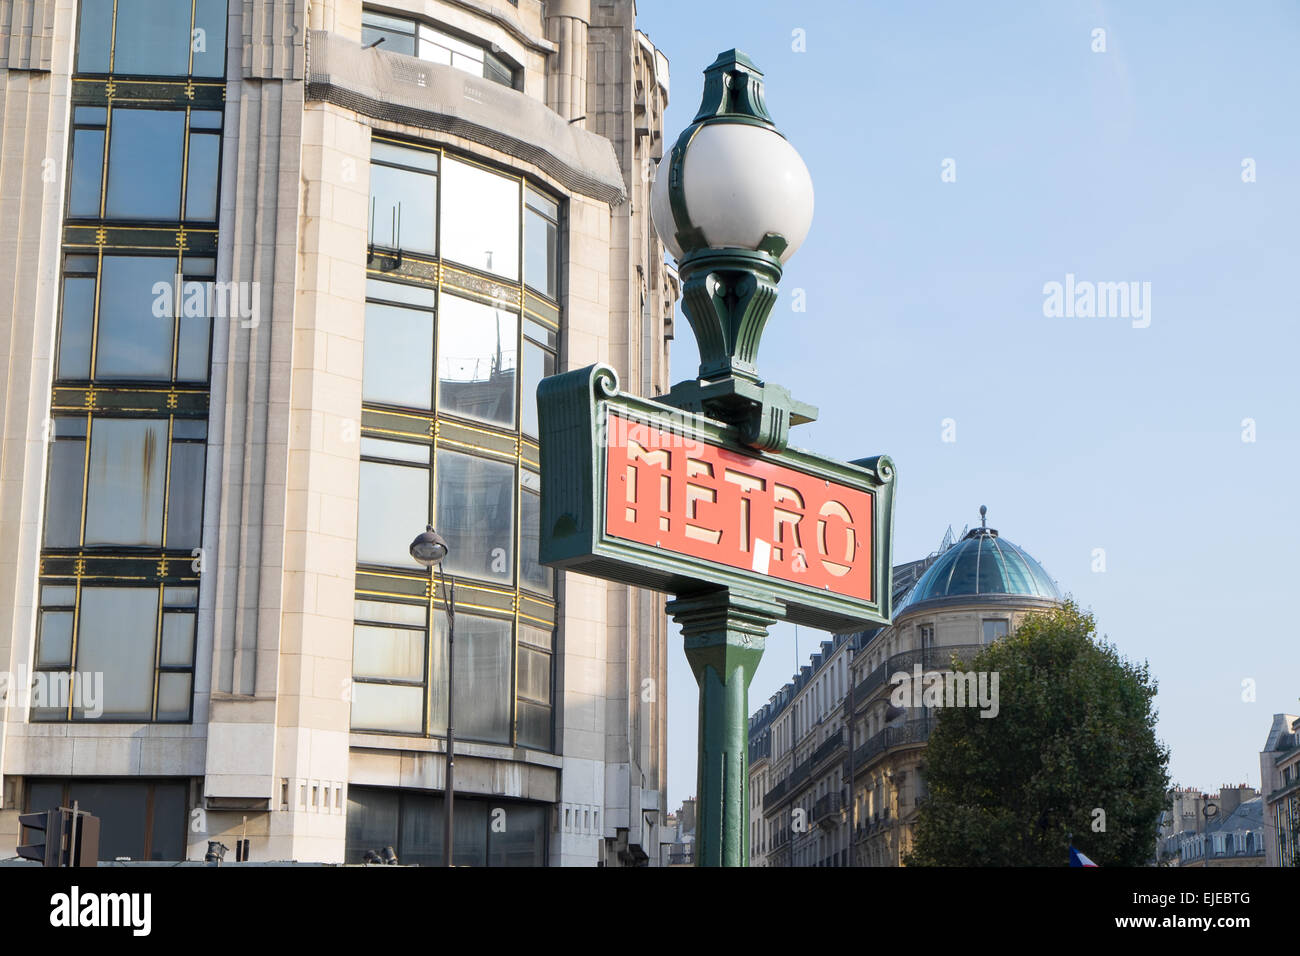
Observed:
{"x":429,"y":549}
{"x":733,"y":201}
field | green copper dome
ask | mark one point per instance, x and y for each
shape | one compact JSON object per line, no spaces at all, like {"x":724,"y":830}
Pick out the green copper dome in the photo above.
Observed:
{"x":982,"y":563}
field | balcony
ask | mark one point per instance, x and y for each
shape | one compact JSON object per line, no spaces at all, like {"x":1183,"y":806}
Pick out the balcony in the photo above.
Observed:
{"x":909,"y":732}
{"x":826,"y":811}
{"x":829,"y":746}
{"x":681,"y":856}
{"x":930,"y":659}
{"x":773,"y":796}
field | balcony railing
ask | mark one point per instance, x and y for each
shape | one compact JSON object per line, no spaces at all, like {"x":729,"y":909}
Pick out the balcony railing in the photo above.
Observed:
{"x":776,"y":793}
{"x":826,"y":811}
{"x":684,"y":856}
{"x":910,"y":732}
{"x":831,"y":744}
{"x":930,"y":659}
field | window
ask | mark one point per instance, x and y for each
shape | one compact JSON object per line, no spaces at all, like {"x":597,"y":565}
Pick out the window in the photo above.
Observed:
{"x":993,"y":630}
{"x":534,"y":707}
{"x":393,"y":500}
{"x":129,"y":476}
{"x":476,"y":515}
{"x":400,"y":678}
{"x":449,"y":438}
{"x":541,"y":231}
{"x":400,"y":35}
{"x":404,"y":198}
{"x":488,"y":833}
{"x":127,"y":313}
{"x":148,"y":177}
{"x":132,"y":658}
{"x":152,"y":38}
{"x":477,"y":361}
{"x":480,"y":218}
{"x":398,"y":352}
{"x":138,"y":819}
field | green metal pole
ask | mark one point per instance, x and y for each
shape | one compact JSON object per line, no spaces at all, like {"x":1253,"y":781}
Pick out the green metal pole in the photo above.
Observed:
{"x":724,"y":633}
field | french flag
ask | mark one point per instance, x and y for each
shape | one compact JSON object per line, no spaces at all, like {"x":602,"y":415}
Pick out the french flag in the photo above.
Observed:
{"x":1078,"y":859}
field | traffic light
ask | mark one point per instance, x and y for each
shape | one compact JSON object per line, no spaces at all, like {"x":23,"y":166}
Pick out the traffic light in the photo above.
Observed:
{"x":55,"y":839}
{"x":45,"y":830}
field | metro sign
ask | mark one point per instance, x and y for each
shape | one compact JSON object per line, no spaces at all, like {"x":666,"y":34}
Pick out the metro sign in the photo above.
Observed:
{"x":718,"y":505}
{"x":640,"y":492}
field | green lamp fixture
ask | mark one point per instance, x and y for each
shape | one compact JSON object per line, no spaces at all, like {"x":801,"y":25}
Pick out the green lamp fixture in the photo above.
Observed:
{"x":733,"y":201}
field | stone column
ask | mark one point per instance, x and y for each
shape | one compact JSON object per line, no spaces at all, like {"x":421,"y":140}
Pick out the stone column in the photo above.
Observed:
{"x":566,"y":77}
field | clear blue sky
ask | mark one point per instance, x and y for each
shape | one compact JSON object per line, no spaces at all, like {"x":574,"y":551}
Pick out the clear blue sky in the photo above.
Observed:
{"x":925,"y":302}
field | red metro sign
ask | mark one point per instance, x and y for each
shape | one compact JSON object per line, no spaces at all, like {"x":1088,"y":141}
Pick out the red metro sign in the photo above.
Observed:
{"x":707,"y":502}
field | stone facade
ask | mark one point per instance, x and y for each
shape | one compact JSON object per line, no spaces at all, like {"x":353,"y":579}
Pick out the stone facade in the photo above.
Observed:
{"x":270,"y":752}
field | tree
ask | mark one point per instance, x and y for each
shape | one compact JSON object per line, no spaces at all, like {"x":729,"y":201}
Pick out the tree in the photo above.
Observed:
{"x":1074,"y":734}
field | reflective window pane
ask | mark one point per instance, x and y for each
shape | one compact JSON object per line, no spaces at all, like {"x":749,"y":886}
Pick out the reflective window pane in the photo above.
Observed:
{"x":533,"y":726}
{"x":403,"y":209}
{"x":94,"y":36}
{"x":390,"y":707}
{"x":534,"y":675}
{"x":87,"y":173}
{"x":144,"y":164}
{"x":371,"y":822}
{"x":398,"y":356}
{"x":385,"y":612}
{"x":201,"y":177}
{"x":192,"y":349}
{"x":63,"y":491}
{"x":174,"y":695}
{"x":55,"y":648}
{"x":116,"y":640}
{"x":470,"y":831}
{"x":387,"y":653}
{"x":541,"y":259}
{"x":538,"y":364}
{"x":185,"y":496}
{"x":476,"y":361}
{"x":210,"y":44}
{"x":392,"y":508}
{"x":153,"y":38}
{"x":401,"y":293}
{"x":422,"y":829}
{"x":483,"y":679}
{"x":123,"y":811}
{"x":476,"y":516}
{"x":124,"y":500}
{"x":480,"y":218}
{"x":397,"y":450}
{"x":532,"y":573}
{"x":170,"y":820}
{"x":134,"y":342}
{"x":522,"y":841}
{"x":177,"y":640}
{"x":75,"y":327}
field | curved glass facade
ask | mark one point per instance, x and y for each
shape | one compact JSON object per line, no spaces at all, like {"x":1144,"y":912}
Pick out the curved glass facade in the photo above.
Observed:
{"x":462,"y":322}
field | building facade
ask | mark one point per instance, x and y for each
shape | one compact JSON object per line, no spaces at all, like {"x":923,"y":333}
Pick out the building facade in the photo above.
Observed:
{"x":844,"y":773}
{"x":1279,"y":766}
{"x":284,"y":277}
{"x":1224,"y":829}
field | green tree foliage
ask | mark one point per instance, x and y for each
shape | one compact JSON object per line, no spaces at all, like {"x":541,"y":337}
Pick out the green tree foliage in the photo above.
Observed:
{"x":1075,"y":733}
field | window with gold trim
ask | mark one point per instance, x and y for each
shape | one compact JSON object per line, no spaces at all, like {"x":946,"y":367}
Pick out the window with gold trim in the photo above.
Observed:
{"x":454,"y":300}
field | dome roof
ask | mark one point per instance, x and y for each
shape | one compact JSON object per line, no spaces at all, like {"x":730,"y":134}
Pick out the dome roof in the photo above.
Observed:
{"x":982,"y":563}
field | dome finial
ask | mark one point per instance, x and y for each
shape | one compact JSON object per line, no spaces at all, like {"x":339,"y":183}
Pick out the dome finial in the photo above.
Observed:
{"x":984,"y":510}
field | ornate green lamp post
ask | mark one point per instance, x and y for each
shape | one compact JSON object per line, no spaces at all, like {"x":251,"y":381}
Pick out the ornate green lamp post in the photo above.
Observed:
{"x":698,"y":492}
{"x":732,"y":201}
